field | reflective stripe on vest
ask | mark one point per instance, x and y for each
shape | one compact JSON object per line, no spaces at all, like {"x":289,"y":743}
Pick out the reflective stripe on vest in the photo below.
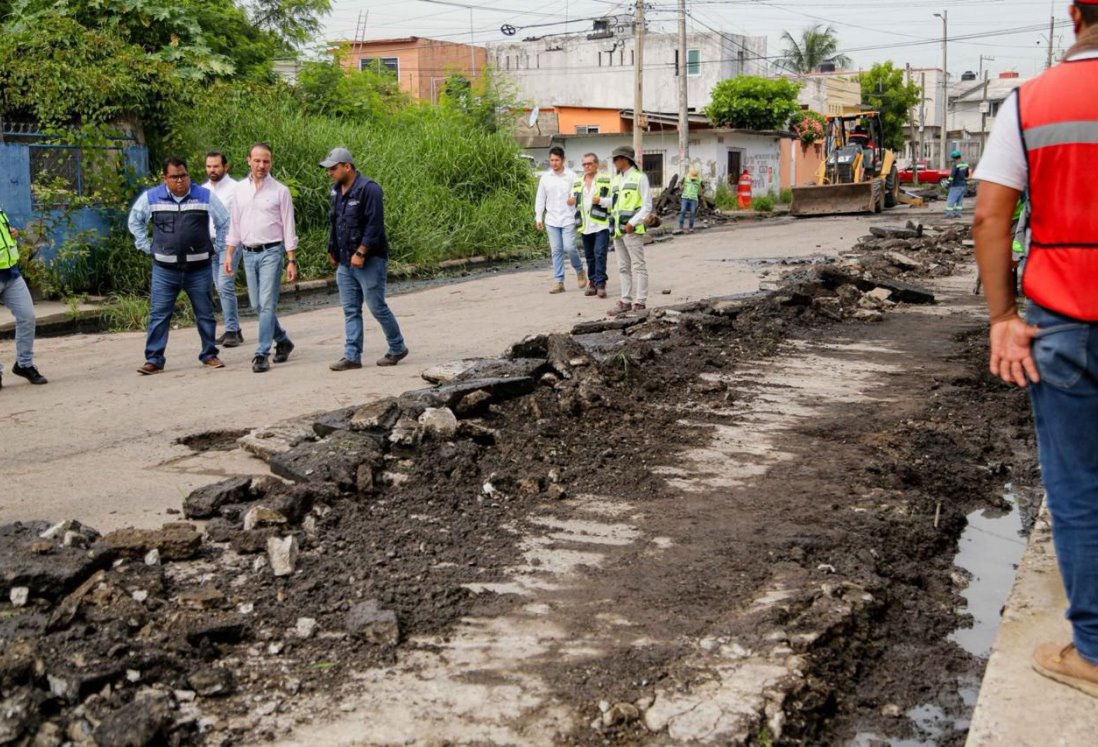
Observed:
{"x":599,"y":214}
{"x":9,"y":252}
{"x":1058,"y":112}
{"x":627,"y":201}
{"x":181,"y":230}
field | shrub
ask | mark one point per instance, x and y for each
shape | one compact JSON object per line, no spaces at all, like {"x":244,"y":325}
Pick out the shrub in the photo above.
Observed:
{"x":764,"y":204}
{"x":785,"y":197}
{"x":724,"y":198}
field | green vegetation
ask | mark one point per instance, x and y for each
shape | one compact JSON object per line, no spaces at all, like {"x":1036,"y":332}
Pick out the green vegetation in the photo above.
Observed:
{"x":764,"y":204}
{"x":816,"y":46}
{"x":785,"y":197}
{"x":883,"y":89}
{"x":724,"y":198}
{"x":755,"y":103}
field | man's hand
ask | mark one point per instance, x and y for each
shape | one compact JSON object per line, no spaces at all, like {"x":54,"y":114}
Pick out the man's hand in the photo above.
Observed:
{"x":227,"y":265}
{"x":14,"y":232}
{"x":332,"y":261}
{"x":571,"y":201}
{"x":539,"y":225}
{"x":291,"y":271}
{"x":357,"y":260}
{"x":1011,"y":351}
{"x":629,"y":228}
{"x":595,"y":199}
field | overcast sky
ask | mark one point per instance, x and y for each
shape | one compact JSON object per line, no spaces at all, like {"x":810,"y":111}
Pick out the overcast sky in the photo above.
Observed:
{"x":1013,"y":32}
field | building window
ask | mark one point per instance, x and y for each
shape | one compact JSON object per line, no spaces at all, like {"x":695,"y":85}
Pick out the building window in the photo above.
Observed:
{"x":743,"y":60}
{"x":653,"y":167}
{"x":600,"y":59}
{"x":993,"y":108}
{"x":508,"y":59}
{"x":693,"y":62}
{"x":587,"y":129}
{"x":380,"y":65}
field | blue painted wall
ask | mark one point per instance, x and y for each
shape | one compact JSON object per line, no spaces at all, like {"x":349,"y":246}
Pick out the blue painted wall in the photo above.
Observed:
{"x":15,"y":196}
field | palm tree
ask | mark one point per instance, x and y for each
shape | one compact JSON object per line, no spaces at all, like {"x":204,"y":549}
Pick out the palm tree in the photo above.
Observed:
{"x":816,"y":46}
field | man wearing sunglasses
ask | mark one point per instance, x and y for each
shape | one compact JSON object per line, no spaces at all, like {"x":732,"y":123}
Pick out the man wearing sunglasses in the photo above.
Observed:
{"x":591,"y":199}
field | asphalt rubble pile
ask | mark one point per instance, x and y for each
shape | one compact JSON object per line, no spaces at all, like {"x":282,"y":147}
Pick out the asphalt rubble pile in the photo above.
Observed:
{"x":375,"y":521}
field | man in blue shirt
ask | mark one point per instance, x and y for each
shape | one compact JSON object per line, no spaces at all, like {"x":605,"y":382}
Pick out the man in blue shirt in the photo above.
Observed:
{"x":359,"y":250}
{"x":16,"y":296}
{"x":182,"y":250}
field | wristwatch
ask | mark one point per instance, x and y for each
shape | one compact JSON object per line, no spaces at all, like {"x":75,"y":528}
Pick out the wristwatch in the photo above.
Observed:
{"x":291,"y":261}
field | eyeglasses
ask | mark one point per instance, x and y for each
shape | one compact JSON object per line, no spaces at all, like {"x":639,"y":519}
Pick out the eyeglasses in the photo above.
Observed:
{"x":589,"y":163}
{"x":178,"y":177}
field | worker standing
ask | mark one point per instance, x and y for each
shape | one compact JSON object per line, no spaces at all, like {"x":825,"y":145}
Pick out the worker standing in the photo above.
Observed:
{"x":958,"y":182}
{"x":1046,"y":137}
{"x":16,"y":296}
{"x":691,"y":192}
{"x":632,"y":202}
{"x":591,"y":199}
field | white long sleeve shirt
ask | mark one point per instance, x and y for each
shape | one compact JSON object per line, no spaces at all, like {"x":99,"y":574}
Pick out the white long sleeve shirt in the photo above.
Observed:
{"x":551,"y":206}
{"x":224,"y":191}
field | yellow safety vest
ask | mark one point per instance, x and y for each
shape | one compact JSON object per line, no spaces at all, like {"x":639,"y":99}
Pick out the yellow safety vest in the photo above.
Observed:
{"x":627,"y":201}
{"x":9,"y":254}
{"x":600,"y":214}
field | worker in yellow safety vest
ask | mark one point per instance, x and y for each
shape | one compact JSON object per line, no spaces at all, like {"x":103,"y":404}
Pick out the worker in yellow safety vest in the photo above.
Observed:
{"x":632,"y":203}
{"x":591,"y":197}
{"x":15,"y":295}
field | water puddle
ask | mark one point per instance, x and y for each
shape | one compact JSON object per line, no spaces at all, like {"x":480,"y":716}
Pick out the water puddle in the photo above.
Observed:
{"x":989,"y":552}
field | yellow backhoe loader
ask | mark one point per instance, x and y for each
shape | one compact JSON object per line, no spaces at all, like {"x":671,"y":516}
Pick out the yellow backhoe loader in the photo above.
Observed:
{"x":858,"y":174}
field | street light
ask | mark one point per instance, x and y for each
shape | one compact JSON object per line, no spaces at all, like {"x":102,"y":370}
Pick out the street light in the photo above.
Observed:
{"x":944,"y":15}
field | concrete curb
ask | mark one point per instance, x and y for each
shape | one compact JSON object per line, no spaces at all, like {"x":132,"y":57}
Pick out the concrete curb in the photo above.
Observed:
{"x":1017,"y":706}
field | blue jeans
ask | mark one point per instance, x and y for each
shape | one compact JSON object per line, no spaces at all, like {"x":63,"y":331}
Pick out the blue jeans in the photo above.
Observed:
{"x":264,"y":272}
{"x":955,"y":201}
{"x":366,"y":283}
{"x":688,"y":207}
{"x":226,"y":289}
{"x":164,"y":289}
{"x":1065,"y":408}
{"x":16,"y":296}
{"x":562,"y":239}
{"x":595,"y":247}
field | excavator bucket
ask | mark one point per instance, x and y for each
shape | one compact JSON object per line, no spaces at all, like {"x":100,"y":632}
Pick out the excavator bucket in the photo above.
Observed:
{"x":832,"y":199}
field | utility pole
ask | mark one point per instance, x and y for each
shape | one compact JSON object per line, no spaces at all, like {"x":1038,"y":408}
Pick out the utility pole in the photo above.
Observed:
{"x":911,"y":125}
{"x":982,"y":58}
{"x":983,"y":116}
{"x":638,"y":82}
{"x":944,"y":15}
{"x":922,"y":114}
{"x":684,"y":111}
{"x":1051,"y":40}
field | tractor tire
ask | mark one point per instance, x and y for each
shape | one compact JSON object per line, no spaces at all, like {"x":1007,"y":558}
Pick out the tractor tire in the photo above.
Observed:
{"x":892,"y":188}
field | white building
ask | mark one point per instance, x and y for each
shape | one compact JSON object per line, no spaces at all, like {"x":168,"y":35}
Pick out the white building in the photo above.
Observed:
{"x":596,"y":70}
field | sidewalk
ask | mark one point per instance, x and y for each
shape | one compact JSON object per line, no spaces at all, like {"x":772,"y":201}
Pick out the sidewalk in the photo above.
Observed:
{"x":1016,"y":705}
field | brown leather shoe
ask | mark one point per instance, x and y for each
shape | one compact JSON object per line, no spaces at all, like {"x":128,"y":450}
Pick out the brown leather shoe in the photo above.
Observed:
{"x":581,"y":279}
{"x":601,"y":291}
{"x":590,"y":291}
{"x":1066,"y":666}
{"x":213,"y":362}
{"x":621,"y":307}
{"x":639,"y":307}
{"x":391,"y":360}
{"x":149,"y":369}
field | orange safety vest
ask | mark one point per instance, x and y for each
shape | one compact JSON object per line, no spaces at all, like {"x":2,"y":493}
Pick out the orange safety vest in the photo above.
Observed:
{"x":1058,"y":112}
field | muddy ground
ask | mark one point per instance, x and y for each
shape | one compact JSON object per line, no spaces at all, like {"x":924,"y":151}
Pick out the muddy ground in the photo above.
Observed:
{"x":420,"y":515}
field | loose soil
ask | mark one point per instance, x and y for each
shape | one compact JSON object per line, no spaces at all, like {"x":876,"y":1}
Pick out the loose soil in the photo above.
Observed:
{"x":869,"y":499}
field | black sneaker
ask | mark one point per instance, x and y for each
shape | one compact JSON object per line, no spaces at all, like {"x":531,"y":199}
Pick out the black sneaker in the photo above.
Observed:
{"x":391,"y":360}
{"x":231,"y":339}
{"x":345,"y":365}
{"x":260,"y":364}
{"x":30,"y":373}
{"x":282,"y":351}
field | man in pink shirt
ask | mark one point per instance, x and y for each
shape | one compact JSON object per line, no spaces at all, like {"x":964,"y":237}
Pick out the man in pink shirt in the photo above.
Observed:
{"x":262,"y":226}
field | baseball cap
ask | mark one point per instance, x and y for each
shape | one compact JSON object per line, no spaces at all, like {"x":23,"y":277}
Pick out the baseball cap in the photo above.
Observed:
{"x":337,"y":155}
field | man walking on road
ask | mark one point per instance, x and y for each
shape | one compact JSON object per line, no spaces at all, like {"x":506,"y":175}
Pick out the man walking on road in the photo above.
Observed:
{"x":359,"y":250}
{"x":958,"y":182}
{"x":221,"y":184}
{"x":553,"y":215}
{"x":16,"y":296}
{"x":263,"y":227}
{"x":591,"y":200}
{"x":632,"y":204}
{"x":1046,"y":137}
{"x":181,"y":250}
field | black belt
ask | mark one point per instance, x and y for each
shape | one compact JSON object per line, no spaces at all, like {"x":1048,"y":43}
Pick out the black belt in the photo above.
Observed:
{"x":261,"y":247}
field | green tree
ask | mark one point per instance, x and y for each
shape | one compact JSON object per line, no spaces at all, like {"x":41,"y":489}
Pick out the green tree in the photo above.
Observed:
{"x":753,"y":103}
{"x":816,"y":46}
{"x":326,"y":87}
{"x":482,"y":100}
{"x":883,"y":89}
{"x":293,"y":21}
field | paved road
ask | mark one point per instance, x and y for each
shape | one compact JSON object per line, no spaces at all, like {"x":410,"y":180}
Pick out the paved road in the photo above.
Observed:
{"x":98,"y":443}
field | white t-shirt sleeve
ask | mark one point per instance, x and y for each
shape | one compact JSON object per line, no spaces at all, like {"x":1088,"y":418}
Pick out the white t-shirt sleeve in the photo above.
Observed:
{"x":1004,"y":160}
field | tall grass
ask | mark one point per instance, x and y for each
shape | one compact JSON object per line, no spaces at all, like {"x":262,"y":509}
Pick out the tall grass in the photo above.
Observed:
{"x":451,"y":189}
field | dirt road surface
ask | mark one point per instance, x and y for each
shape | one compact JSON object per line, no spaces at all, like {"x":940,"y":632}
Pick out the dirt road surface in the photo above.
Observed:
{"x":730,"y":524}
{"x":98,"y":442}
